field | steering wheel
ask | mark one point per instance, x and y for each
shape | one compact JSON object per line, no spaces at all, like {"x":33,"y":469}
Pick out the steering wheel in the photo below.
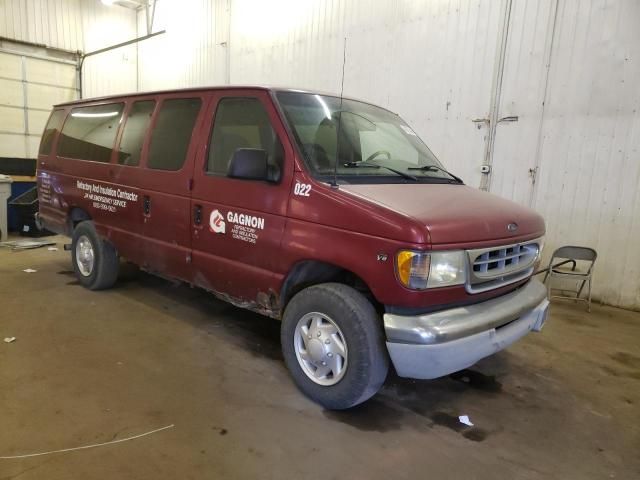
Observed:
{"x":318,"y":156}
{"x":379,"y":152}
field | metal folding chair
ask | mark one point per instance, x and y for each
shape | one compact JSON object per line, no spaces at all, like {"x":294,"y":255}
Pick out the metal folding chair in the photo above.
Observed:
{"x":581,"y":273}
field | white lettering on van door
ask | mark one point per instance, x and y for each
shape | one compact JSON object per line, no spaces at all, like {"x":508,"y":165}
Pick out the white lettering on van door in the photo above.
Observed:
{"x":246,"y":220}
{"x":44,"y":193}
{"x":105,"y":197}
{"x":302,"y":189}
{"x":245,"y":227}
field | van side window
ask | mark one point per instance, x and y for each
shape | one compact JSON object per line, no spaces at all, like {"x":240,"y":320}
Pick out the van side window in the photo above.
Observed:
{"x":89,"y":132}
{"x":172,"y":133}
{"x":242,"y":123}
{"x":135,"y":128}
{"x":53,"y":127}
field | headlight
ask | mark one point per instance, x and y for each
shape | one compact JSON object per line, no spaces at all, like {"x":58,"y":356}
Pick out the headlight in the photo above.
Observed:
{"x":421,"y":270}
{"x":447,"y":268}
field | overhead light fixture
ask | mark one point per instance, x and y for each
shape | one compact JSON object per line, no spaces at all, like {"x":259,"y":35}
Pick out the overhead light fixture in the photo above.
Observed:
{"x":108,"y":2}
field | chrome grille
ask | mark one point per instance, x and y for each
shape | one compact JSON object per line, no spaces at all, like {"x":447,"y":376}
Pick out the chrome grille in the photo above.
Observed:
{"x":495,"y":267}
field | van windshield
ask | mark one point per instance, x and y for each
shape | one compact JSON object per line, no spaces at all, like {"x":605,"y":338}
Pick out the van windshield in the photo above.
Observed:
{"x":369,"y":142}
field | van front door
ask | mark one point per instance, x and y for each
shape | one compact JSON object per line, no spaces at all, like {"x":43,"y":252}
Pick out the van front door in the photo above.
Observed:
{"x":237,"y":224}
{"x":166,"y":184}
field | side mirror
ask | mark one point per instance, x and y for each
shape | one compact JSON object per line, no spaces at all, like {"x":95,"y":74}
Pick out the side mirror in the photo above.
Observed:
{"x":249,"y":164}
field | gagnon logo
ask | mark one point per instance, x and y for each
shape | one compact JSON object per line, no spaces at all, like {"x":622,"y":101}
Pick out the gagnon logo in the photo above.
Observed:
{"x":217,"y":222}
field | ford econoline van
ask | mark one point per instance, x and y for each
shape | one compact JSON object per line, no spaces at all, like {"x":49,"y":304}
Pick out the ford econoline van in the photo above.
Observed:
{"x":327,"y":213}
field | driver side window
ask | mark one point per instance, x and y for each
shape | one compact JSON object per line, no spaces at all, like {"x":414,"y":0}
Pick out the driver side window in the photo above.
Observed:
{"x":242,"y":123}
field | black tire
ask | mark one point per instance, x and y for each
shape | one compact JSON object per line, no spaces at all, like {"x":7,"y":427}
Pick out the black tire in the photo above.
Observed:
{"x":368,"y":361}
{"x":106,"y":262}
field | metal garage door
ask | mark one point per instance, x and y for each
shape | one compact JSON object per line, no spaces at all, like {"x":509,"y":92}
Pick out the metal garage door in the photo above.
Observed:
{"x":29,"y":86}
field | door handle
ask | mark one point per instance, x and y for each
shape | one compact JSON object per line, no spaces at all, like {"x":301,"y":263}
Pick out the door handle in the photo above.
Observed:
{"x":197,"y":215}
{"x":146,"y":204}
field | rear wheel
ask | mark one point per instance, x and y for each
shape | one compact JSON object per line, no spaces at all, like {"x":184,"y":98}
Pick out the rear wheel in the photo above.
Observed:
{"x":95,"y":261}
{"x":333,"y":345}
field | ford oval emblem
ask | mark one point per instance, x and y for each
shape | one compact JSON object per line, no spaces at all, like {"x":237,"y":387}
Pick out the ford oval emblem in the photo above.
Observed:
{"x":512,"y":227}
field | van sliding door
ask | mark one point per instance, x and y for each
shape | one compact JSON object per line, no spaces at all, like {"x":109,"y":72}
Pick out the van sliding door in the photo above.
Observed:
{"x":166,"y":187}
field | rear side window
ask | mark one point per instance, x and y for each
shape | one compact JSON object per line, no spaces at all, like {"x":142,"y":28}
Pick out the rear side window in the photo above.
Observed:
{"x":53,"y":127}
{"x":135,"y":128}
{"x":172,"y":133}
{"x":241,"y":123}
{"x":89,"y":132}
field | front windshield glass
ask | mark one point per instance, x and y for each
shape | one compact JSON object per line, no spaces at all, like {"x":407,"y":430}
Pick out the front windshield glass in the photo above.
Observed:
{"x":369,"y":142}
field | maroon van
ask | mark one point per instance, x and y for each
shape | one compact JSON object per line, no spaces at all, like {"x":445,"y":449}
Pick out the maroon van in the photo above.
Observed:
{"x":329,"y":214}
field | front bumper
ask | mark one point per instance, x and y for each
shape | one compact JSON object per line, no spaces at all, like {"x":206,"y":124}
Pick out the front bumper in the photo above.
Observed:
{"x":437,"y":344}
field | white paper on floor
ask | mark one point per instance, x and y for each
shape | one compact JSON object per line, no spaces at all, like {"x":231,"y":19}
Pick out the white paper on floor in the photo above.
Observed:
{"x":26,"y":244}
{"x":9,"y":339}
{"x":464,"y":419}
{"x":53,"y":249}
{"x":29,"y":270}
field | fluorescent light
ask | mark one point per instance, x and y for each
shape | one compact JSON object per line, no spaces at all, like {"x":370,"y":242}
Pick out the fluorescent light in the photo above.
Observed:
{"x":94,"y":115}
{"x":324,"y":106}
{"x":108,"y":2}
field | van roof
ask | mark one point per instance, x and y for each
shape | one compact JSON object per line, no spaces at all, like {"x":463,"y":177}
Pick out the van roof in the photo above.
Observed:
{"x":200,"y":89}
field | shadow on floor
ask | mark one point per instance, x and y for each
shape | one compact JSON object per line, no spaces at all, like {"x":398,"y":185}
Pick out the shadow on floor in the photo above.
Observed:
{"x":393,"y":408}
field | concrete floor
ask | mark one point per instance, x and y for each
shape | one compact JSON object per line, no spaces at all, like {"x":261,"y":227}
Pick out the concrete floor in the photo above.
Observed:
{"x":91,"y":367}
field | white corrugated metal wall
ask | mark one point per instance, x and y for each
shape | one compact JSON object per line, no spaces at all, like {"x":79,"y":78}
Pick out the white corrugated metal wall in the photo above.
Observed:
{"x":589,"y":180}
{"x":56,"y":23}
{"x":114,"y":71}
{"x":192,"y":52}
{"x":568,"y":70}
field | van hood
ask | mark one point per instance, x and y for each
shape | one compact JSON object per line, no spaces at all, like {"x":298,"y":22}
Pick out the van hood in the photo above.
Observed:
{"x":455,"y":213}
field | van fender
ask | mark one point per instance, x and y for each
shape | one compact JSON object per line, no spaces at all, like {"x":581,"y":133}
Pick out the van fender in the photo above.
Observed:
{"x":306,"y":273}
{"x":75,"y":216}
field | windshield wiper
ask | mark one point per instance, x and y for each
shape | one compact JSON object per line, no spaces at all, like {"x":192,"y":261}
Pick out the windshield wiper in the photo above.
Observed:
{"x":375,"y":165}
{"x":360,"y":165}
{"x":435,"y":168}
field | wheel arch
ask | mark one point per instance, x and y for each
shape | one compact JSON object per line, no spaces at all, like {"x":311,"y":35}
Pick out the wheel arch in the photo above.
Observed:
{"x":307,"y":273}
{"x":75,"y":216}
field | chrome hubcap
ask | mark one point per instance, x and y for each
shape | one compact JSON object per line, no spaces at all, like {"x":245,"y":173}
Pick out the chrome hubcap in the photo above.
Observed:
{"x":84,"y":256}
{"x":320,"y":348}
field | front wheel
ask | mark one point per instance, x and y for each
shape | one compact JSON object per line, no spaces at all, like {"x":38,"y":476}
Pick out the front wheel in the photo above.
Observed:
{"x":333,"y":345}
